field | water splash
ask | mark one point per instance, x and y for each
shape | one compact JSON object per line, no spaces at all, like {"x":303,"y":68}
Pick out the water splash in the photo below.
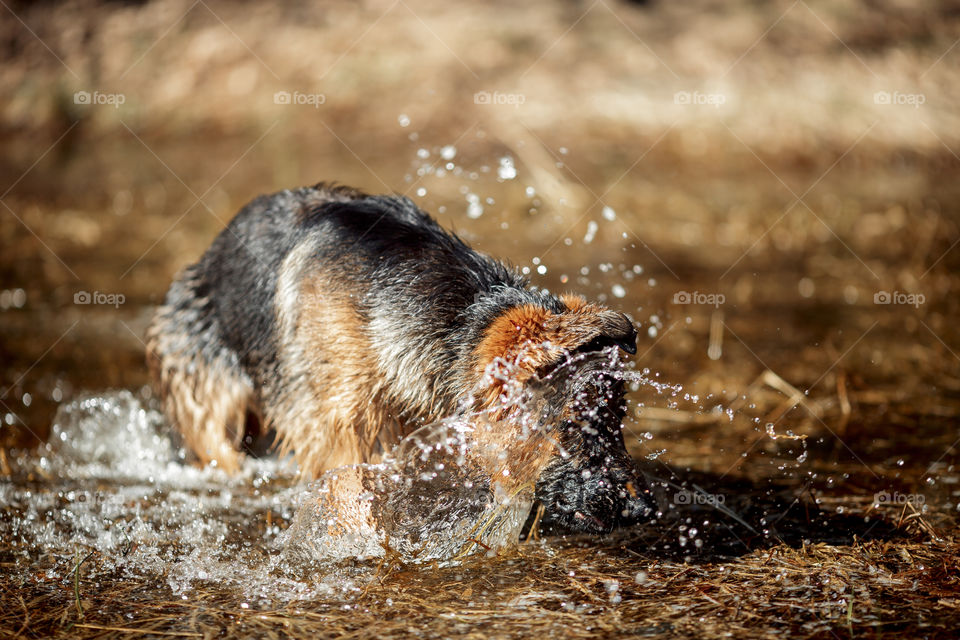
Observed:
{"x":114,"y":482}
{"x":429,"y":502}
{"x":449,"y":489}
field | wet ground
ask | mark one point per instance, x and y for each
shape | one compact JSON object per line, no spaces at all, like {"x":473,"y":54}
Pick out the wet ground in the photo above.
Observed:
{"x":789,"y":255}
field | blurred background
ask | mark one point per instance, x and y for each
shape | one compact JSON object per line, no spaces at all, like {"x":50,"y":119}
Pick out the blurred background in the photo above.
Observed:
{"x":770,"y":189}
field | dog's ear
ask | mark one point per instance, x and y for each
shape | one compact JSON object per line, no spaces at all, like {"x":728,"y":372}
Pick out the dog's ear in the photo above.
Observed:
{"x":530,"y":337}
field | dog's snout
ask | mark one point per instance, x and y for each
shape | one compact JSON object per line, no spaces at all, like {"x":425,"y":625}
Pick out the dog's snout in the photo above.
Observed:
{"x":628,"y":341}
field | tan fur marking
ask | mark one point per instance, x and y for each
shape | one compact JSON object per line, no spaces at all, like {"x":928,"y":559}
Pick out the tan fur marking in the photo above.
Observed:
{"x":510,"y":457}
{"x":531,"y":337}
{"x":204,"y":406}
{"x":343,"y":421}
{"x":573,"y":301}
{"x":341,"y":502}
{"x":510,"y":336}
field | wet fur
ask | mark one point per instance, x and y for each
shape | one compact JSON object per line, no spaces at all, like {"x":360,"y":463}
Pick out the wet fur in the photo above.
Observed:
{"x":343,"y":322}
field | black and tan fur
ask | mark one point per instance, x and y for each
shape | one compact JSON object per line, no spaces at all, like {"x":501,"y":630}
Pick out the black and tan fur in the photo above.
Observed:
{"x":343,"y":322}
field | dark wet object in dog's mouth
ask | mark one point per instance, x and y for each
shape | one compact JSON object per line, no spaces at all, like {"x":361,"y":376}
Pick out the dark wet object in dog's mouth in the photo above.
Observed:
{"x":594,"y":486}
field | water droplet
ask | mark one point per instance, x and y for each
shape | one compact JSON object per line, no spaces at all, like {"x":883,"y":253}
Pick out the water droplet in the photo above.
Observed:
{"x":506,"y":170}
{"x":592,"y":228}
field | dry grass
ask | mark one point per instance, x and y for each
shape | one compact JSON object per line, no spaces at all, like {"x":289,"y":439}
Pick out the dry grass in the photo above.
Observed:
{"x":874,"y":588}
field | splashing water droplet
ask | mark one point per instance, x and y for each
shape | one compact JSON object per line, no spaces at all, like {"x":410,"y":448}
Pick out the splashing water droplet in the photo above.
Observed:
{"x":506,"y":170}
{"x":592,"y":228}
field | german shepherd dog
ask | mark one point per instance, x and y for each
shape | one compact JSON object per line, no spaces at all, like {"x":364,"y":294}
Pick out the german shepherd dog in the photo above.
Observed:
{"x":341,"y":322}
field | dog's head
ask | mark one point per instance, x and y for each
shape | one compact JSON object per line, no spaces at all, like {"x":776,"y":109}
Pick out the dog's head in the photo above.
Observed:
{"x":587,"y":482}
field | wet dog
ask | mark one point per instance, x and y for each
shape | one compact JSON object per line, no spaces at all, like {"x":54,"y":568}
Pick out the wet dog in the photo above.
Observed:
{"x":343,"y":322}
